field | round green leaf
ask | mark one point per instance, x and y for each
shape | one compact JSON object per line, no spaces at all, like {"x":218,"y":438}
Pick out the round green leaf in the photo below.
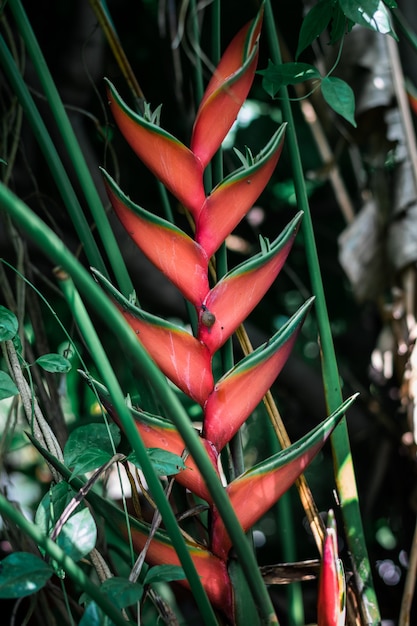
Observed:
{"x":277,"y":76}
{"x":89,"y":460}
{"x":53,"y":505}
{"x":8,"y":324}
{"x":54,"y":363}
{"x":7,"y":386}
{"x":92,"y":436}
{"x":92,"y":616}
{"x":78,"y":535}
{"x":22,"y":574}
{"x":340,"y":97}
{"x":122,"y":591}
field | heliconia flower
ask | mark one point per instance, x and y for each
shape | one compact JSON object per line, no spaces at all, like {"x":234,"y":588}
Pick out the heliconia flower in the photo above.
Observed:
{"x":239,"y":291}
{"x":241,"y":389}
{"x":170,"y":160}
{"x":235,"y":195}
{"x":331,"y":604}
{"x":157,"y":432}
{"x":171,"y":250}
{"x":185,"y":360}
{"x":226,"y":91}
{"x":253,"y":493}
{"x":211,"y":569}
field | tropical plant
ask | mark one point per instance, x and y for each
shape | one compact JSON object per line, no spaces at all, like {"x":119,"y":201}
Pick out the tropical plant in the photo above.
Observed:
{"x":179,"y":439}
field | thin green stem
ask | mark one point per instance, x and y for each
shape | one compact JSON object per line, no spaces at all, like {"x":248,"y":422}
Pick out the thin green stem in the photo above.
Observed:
{"x":105,"y":369}
{"x":52,"y":157}
{"x":74,"y":151}
{"x":344,"y":471}
{"x":9,"y":512}
{"x":55,"y":249}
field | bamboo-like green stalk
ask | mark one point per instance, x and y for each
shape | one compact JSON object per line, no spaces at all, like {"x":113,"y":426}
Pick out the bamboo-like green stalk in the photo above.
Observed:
{"x":109,"y":378}
{"x":72,"y":146}
{"x":9,"y":512}
{"x":55,"y":249}
{"x":51,"y":155}
{"x":342,"y":459}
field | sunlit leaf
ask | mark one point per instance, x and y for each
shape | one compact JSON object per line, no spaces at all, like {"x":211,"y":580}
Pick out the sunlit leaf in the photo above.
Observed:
{"x":340,"y":97}
{"x":239,"y":391}
{"x":78,"y":535}
{"x":22,"y":574}
{"x":54,"y":363}
{"x":372,"y":14}
{"x":7,"y":386}
{"x":240,"y":290}
{"x":8,"y":324}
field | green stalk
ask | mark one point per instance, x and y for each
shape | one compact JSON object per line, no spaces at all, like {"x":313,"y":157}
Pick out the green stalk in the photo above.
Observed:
{"x":105,"y":369}
{"x":70,"y":141}
{"x":52,"y":157}
{"x":55,"y":249}
{"x":342,"y":458}
{"x":9,"y":512}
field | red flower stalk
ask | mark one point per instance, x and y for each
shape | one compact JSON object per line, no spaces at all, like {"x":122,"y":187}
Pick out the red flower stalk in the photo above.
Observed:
{"x":332,"y":589}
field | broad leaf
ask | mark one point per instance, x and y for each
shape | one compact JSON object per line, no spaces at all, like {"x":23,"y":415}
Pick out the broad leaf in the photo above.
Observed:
{"x":53,"y":505}
{"x":96,"y":436}
{"x":241,"y":289}
{"x":22,"y":574}
{"x":313,"y":24}
{"x":253,"y":493}
{"x":78,"y":535}
{"x":7,"y":386}
{"x":237,"y":394}
{"x":54,"y":363}
{"x":171,"y":162}
{"x":235,"y":195}
{"x":173,"y":252}
{"x":121,"y":591}
{"x":340,"y":97}
{"x":226,"y":92}
{"x":92,"y":616}
{"x":8,"y":324}
{"x":277,"y":76}
{"x":372,"y":14}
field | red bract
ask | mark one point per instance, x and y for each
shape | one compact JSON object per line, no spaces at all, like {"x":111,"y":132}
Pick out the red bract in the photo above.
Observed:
{"x":332,"y":593}
{"x":186,"y":359}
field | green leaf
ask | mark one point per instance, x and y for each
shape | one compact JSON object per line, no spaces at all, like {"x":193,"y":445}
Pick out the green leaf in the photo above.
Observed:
{"x":78,"y":535}
{"x":372,"y":14}
{"x":22,"y":574}
{"x":277,"y":76}
{"x":340,"y":97}
{"x":93,"y":616}
{"x":53,"y":505}
{"x":54,"y":363}
{"x":164,"y":573}
{"x":90,"y":460}
{"x":314,"y":23}
{"x":8,"y":324}
{"x":340,"y":25}
{"x":122,"y":591}
{"x":165,"y":463}
{"x":7,"y":386}
{"x":92,"y":436}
